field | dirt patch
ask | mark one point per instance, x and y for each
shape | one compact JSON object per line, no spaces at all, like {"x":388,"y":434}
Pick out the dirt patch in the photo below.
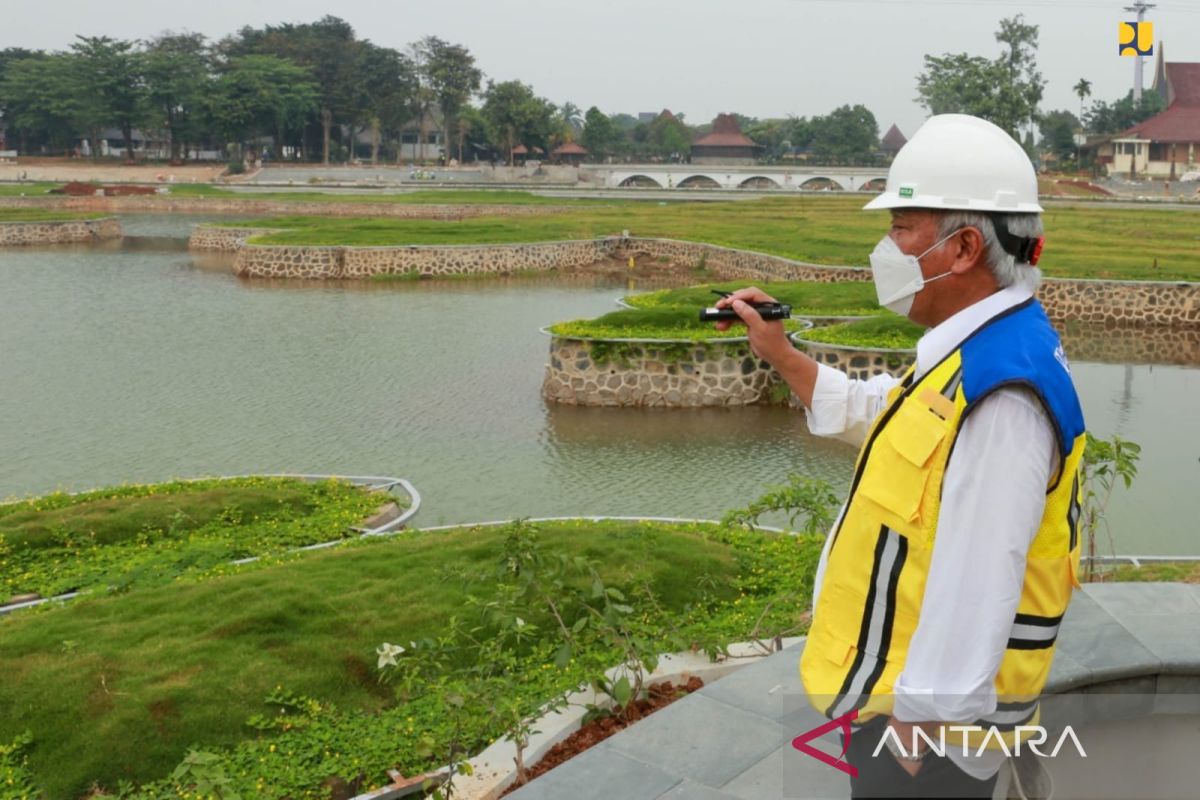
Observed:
{"x":79,"y":189}
{"x":598,"y":730}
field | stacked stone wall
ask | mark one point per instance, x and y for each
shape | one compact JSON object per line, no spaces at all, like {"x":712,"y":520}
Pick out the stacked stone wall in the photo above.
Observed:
{"x":859,"y":363}
{"x":1122,"y":302}
{"x":59,"y":232}
{"x":213,"y":239}
{"x":663,"y":375}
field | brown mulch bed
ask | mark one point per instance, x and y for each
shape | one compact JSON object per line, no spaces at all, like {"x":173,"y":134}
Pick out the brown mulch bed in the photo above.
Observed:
{"x":598,"y":730}
{"x":79,"y":189}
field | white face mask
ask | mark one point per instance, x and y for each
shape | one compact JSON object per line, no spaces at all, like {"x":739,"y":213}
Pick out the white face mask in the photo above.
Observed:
{"x":898,"y":275}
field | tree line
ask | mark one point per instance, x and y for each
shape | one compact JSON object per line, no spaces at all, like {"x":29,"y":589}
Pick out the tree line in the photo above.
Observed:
{"x":314,"y":90}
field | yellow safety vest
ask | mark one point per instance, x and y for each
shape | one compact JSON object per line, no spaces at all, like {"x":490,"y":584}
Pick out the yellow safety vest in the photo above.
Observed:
{"x":874,"y":580}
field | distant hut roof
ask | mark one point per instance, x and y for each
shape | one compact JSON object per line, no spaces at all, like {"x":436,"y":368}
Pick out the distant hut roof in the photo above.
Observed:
{"x":569,"y":149}
{"x":893,"y":140}
{"x":725,"y":133}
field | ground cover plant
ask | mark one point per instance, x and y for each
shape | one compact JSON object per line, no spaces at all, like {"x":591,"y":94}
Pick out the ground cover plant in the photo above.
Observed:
{"x":844,"y":299}
{"x":129,"y":537}
{"x":380,"y":196}
{"x":264,"y":682}
{"x":45,"y":215}
{"x":663,"y":322}
{"x":890,"y":332}
{"x":1089,"y":240}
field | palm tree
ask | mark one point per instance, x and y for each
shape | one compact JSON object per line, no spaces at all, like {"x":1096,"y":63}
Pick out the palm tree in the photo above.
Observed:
{"x":573,"y":116}
{"x":1083,"y":89}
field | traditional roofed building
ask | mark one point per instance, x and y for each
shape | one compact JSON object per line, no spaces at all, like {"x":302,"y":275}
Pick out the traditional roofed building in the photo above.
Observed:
{"x":1167,"y":144}
{"x":725,"y":145}
{"x":568,"y":153}
{"x":892,"y":141}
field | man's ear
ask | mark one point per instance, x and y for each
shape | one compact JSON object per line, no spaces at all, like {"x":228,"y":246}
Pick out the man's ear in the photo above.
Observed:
{"x":970,"y":249}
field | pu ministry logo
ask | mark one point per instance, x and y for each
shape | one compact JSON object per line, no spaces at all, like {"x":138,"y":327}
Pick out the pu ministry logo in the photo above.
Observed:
{"x":1135,"y":38}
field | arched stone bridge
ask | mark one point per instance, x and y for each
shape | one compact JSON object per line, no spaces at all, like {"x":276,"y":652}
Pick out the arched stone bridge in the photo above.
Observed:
{"x":718,"y":176}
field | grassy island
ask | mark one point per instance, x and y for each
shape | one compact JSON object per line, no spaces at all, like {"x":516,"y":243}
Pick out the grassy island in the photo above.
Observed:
{"x":274,"y":670}
{"x":1085,"y":241}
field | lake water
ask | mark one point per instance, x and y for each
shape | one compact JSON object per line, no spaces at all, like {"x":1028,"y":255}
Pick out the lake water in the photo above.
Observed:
{"x":133,"y":363}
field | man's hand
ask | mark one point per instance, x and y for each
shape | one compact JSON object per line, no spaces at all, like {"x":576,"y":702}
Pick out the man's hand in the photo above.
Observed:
{"x":904,"y":732}
{"x":767,"y":339}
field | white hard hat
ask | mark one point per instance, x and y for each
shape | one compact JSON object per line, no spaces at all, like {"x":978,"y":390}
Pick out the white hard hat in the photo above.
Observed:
{"x":960,"y":162}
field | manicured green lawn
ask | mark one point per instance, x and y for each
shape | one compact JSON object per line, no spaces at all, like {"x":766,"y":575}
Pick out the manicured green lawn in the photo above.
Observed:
{"x":846,"y":299}
{"x":45,"y":215}
{"x":664,"y":322}
{"x":1085,"y":241}
{"x":135,"y":536}
{"x":26,"y":189}
{"x":117,"y":688}
{"x":892,"y":332}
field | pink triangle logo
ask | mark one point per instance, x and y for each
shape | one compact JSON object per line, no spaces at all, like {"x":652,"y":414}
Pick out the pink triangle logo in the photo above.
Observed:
{"x":843,"y":722}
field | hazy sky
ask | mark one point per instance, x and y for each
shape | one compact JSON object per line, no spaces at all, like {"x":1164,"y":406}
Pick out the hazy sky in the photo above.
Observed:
{"x":761,"y":58}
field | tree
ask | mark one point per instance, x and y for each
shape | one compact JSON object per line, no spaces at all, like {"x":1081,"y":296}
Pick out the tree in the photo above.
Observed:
{"x":1005,"y":90}
{"x":178,"y":74}
{"x":668,"y":136}
{"x":386,"y":82}
{"x":600,"y":133}
{"x":260,"y":95}
{"x":41,"y":98}
{"x":1083,"y":89}
{"x":1021,"y":93}
{"x":515,"y":115}
{"x":328,"y":49}
{"x":1103,"y":117}
{"x":449,"y":72}
{"x":848,"y":133}
{"x":110,"y":72}
{"x":1058,"y":133}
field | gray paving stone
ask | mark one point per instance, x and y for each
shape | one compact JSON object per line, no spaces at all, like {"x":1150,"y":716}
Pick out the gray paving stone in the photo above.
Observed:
{"x":761,"y":688}
{"x":1067,"y":673}
{"x":701,"y":739}
{"x":788,"y":773}
{"x":1120,"y":599}
{"x":1174,"y":639}
{"x":599,"y":774}
{"x":689,"y":790}
{"x":1093,"y":638}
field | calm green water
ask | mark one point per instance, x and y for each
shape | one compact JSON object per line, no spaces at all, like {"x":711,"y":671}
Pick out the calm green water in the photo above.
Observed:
{"x":133,"y":364}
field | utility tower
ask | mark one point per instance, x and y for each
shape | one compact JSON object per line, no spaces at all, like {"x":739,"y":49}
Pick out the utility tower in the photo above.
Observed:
{"x":1140,"y":7}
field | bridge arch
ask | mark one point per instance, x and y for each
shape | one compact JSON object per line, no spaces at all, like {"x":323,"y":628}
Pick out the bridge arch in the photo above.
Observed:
{"x":640,"y":181}
{"x":820,"y":183}
{"x":698,"y":182}
{"x":759,"y":182}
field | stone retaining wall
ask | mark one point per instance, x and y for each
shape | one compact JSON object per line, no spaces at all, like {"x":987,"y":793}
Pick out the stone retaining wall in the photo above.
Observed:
{"x":859,"y":363}
{"x":682,"y":375}
{"x":1140,"y":302}
{"x":212,"y":239}
{"x":1122,"y":302}
{"x":59,"y":232}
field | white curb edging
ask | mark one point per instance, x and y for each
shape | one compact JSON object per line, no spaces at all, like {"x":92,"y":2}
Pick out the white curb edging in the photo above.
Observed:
{"x":495,"y":770}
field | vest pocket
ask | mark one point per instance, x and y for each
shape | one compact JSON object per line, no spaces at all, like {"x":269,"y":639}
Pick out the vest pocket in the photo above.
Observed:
{"x":900,"y":461}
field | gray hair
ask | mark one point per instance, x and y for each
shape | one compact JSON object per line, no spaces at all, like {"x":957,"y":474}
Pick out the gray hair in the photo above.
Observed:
{"x":1004,"y":266}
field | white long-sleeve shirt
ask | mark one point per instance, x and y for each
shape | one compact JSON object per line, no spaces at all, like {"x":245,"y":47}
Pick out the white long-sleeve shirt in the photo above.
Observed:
{"x":993,"y":498}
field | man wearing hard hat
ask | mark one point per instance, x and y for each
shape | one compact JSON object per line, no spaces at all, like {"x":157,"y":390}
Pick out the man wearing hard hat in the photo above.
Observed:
{"x":942,"y":585}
